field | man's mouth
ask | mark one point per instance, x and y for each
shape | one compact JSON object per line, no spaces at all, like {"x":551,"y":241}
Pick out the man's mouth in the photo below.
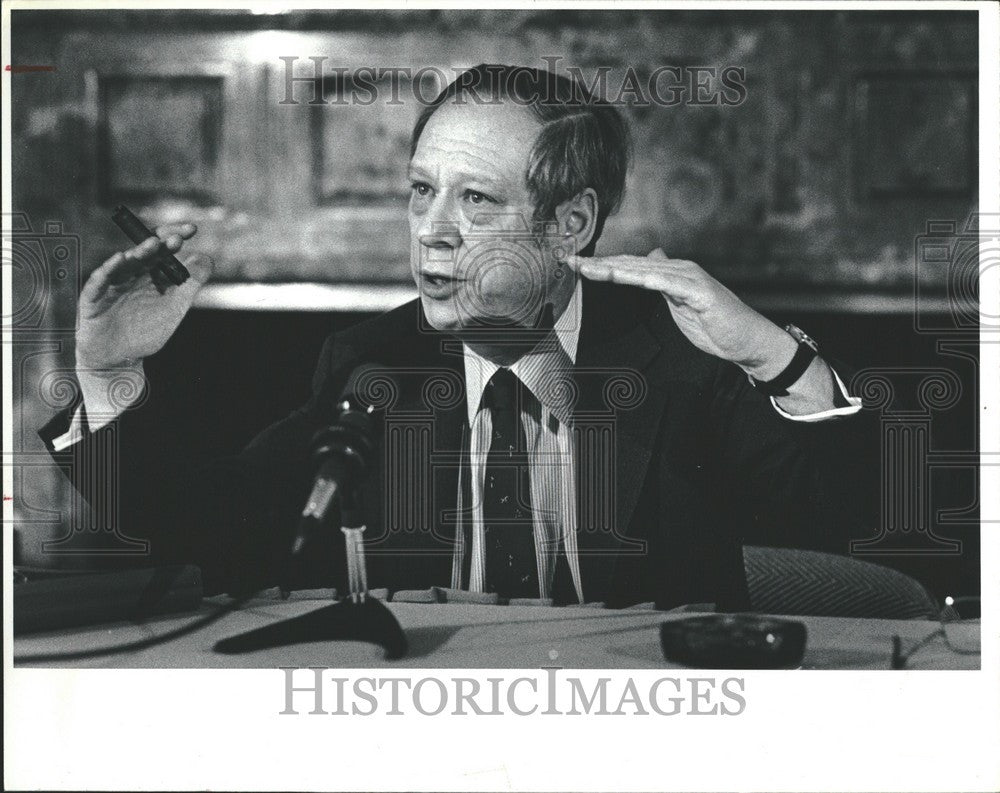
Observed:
{"x":438,"y":286}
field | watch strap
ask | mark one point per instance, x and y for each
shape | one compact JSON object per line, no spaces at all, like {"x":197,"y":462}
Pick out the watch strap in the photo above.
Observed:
{"x":778,"y":386}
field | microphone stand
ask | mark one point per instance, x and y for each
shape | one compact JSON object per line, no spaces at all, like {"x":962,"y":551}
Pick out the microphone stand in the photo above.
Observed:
{"x":358,"y":618}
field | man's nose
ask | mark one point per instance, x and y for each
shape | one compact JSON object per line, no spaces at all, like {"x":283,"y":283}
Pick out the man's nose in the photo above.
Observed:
{"x":438,"y":230}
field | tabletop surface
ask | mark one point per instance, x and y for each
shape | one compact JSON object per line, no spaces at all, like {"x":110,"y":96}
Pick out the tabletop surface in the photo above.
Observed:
{"x":475,"y":636}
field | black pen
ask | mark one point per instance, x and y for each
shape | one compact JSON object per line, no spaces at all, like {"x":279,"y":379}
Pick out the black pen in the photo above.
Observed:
{"x":134,"y":229}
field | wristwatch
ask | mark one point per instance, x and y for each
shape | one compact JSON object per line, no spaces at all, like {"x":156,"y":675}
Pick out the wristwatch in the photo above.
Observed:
{"x":808,"y":349}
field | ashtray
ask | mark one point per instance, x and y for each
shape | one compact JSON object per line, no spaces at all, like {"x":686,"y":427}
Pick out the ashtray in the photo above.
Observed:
{"x":734,"y":641}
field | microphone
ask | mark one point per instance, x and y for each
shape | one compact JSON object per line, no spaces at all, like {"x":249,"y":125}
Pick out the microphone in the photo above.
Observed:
{"x":342,"y":454}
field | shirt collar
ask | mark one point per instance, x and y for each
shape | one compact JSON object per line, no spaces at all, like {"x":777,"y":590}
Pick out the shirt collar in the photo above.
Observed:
{"x":541,"y":370}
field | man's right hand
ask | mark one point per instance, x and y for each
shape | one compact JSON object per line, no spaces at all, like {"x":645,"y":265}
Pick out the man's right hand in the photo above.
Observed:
{"x":127,"y":310}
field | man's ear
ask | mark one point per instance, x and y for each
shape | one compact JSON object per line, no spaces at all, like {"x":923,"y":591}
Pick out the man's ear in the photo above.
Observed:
{"x":576,"y":219}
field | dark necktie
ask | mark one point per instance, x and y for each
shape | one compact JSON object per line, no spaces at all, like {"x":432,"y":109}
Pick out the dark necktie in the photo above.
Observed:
{"x":511,"y":567}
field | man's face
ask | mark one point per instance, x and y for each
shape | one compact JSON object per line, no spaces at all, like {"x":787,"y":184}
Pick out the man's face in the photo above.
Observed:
{"x":475,"y":255}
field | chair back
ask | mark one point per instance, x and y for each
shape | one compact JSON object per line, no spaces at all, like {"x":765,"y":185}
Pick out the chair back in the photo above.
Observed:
{"x":813,"y":583}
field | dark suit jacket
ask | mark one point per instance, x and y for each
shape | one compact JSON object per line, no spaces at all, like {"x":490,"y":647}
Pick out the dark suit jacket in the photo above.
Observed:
{"x":675,"y":454}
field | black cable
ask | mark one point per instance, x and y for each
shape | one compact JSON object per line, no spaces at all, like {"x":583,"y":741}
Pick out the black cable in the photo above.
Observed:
{"x":139,"y":644}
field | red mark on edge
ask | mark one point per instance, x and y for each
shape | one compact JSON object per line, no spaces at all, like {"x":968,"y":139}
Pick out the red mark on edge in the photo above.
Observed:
{"x":18,"y":69}
{"x":8,"y":498}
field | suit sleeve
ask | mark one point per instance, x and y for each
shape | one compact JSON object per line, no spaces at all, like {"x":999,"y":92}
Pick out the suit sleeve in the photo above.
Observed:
{"x":232,"y":516}
{"x":796,"y":483}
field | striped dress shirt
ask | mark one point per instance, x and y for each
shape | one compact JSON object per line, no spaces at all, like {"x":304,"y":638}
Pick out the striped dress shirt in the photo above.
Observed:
{"x":547,"y":428}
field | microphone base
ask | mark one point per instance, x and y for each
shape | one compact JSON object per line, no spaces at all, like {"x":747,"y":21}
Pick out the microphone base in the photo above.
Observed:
{"x":369,"y":621}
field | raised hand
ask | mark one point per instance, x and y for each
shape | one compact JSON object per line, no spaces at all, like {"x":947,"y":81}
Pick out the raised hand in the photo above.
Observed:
{"x":127,"y":311}
{"x":713,"y":318}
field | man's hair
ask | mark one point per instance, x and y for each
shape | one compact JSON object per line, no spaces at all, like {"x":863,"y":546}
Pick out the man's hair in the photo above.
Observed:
{"x":584,"y":141}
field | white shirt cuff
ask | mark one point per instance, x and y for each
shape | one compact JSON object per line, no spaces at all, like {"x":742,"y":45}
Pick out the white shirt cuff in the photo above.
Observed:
{"x":73,"y":435}
{"x":824,"y":415}
{"x":106,"y":395}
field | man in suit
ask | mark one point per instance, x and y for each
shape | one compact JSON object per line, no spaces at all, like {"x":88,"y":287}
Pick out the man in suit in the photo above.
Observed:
{"x":549,"y":424}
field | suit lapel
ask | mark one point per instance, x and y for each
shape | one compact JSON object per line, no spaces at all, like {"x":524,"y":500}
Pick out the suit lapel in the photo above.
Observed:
{"x":450,"y":441}
{"x":619,"y":374}
{"x":422,"y":443}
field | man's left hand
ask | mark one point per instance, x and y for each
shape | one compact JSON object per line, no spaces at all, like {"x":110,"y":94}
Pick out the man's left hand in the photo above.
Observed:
{"x":712,"y":318}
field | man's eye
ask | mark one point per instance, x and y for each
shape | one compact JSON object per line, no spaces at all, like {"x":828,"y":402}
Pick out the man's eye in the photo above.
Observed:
{"x":475,"y":197}
{"x":421,"y":188}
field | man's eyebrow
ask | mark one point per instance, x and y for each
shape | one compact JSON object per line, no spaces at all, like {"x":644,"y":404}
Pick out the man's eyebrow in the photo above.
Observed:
{"x":483,"y":179}
{"x":416,"y":170}
{"x":465,"y":176}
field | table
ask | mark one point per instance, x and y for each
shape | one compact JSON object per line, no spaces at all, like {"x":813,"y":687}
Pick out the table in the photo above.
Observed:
{"x":474,"y":636}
